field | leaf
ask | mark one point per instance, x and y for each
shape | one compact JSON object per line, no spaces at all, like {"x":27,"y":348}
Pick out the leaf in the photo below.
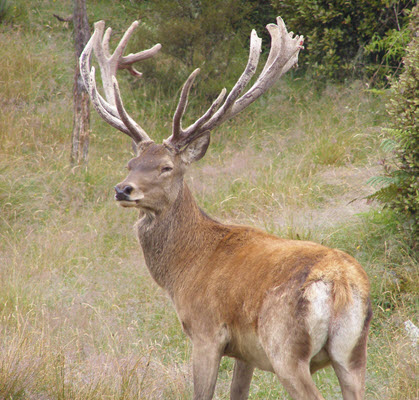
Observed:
{"x":388,"y":145}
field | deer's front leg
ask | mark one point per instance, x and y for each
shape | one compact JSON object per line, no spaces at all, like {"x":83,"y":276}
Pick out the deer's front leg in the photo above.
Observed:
{"x":206,"y":361}
{"x":242,"y":377}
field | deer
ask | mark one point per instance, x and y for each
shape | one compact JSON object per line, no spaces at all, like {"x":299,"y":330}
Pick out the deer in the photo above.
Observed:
{"x":287,"y":306}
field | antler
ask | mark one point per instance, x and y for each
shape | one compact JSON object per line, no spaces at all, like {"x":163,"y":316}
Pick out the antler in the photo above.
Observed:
{"x":112,"y":109}
{"x":282,"y":56}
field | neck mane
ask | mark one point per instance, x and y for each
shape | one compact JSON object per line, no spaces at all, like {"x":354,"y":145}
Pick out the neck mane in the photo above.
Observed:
{"x":176,"y":241}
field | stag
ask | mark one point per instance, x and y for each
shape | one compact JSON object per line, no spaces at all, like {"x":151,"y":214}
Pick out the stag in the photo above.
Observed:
{"x":285,"y":306}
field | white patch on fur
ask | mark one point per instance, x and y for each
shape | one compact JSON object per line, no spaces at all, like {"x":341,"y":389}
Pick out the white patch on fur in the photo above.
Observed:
{"x":345,"y":332}
{"x":319,"y":313}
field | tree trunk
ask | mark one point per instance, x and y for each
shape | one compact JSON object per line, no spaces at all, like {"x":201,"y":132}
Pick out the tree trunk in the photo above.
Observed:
{"x":81,"y":117}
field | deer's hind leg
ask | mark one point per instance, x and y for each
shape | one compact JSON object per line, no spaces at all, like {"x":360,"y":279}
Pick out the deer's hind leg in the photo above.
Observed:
{"x":292,"y":330}
{"x":319,"y":361}
{"x":348,"y":349}
{"x":297,"y":380}
{"x":291,"y":363}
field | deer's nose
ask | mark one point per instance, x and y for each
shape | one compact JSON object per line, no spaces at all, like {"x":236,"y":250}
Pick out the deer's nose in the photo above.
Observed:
{"x":123,"y":191}
{"x":127,"y":189}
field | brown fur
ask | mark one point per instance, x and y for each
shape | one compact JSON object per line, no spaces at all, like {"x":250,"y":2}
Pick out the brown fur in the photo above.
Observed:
{"x":239,"y":291}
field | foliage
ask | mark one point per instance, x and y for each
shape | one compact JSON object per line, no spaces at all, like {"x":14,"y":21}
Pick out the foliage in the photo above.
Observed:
{"x":387,"y":52}
{"x":344,"y":37}
{"x":261,"y":13}
{"x":4,"y":9}
{"x":210,"y":34}
{"x":400,"y":182}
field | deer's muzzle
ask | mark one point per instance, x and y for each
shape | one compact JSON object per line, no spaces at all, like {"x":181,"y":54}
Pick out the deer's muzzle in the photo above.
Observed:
{"x":123,"y":193}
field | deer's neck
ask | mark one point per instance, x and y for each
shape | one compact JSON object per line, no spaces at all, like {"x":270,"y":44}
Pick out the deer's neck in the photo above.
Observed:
{"x":178,"y":240}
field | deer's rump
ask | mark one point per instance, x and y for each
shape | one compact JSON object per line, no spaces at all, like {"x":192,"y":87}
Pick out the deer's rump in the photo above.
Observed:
{"x":250,"y":270}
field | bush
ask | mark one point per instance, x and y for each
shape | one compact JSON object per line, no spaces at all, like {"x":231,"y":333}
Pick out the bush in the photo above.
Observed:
{"x":210,"y":34}
{"x":400,"y":189}
{"x":4,"y":9}
{"x":348,"y":38}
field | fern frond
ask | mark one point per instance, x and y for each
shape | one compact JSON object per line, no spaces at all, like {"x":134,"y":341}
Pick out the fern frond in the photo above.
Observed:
{"x":385,"y":195}
{"x":389,"y":145}
{"x":381,"y":181}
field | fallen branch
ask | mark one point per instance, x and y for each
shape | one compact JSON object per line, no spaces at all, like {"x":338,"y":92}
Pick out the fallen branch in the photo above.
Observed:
{"x":64,"y":19}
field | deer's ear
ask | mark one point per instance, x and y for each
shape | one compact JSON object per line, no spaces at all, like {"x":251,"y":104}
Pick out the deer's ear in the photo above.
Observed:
{"x":195,"y":150}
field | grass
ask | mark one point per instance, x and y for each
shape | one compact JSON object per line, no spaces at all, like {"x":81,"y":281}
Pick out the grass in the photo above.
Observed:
{"x":80,"y":317}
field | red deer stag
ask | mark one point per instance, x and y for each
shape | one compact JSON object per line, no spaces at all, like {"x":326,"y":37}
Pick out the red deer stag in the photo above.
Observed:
{"x":290,"y":307}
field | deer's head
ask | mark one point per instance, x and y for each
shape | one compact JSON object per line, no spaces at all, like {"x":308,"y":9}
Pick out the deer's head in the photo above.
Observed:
{"x":156,"y":173}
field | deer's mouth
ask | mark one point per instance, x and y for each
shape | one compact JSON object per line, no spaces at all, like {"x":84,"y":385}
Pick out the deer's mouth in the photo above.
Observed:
{"x":127,"y":203}
{"x":125,"y":200}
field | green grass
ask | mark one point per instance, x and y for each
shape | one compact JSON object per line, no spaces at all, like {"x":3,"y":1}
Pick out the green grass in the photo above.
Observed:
{"x":80,"y":317}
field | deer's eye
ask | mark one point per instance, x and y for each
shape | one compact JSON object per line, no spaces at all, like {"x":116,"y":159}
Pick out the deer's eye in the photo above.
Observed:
{"x":166,"y":169}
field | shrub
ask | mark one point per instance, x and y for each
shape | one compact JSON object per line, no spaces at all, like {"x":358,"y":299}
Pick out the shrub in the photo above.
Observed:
{"x":4,"y":9}
{"x":344,"y":37}
{"x":400,"y":182}
{"x":210,"y":34}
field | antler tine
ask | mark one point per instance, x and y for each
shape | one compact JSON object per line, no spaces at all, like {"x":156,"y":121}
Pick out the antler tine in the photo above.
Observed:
{"x":181,"y":137}
{"x":84,"y":61}
{"x":112,"y":109}
{"x":208,"y":114}
{"x":105,"y":42}
{"x":124,"y":41}
{"x":183,"y":102}
{"x":275,"y":46}
{"x":252,"y":63}
{"x":282,"y":56}
{"x":108,"y":113}
{"x":101,"y":106}
{"x":108,"y":117}
{"x":126,"y":119}
{"x":125,"y":62}
{"x":117,"y":117}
